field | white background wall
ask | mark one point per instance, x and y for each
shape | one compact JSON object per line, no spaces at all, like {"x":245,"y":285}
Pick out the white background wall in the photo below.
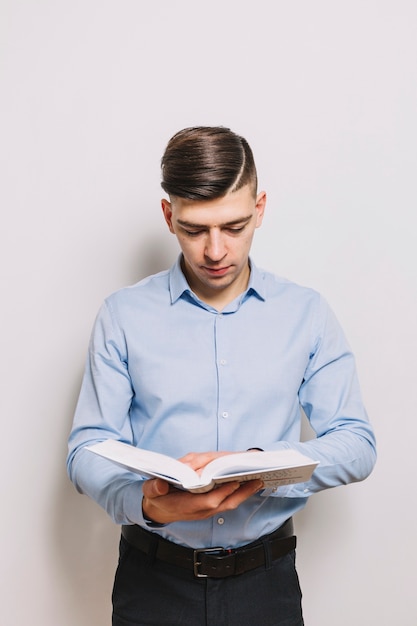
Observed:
{"x":91,"y":90}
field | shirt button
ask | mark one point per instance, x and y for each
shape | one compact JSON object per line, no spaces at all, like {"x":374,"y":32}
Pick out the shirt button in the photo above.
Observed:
{"x":225,"y":414}
{"x":223,"y":362}
{"x":220,"y":520}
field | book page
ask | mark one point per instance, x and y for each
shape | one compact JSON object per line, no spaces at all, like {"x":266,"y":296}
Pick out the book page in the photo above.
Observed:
{"x":145,"y":462}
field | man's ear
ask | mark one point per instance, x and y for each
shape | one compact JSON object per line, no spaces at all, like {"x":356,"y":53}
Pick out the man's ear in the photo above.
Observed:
{"x":260,"y":207}
{"x":167,"y":211}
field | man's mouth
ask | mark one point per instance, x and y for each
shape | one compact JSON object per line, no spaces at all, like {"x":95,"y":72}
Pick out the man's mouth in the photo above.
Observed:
{"x":216,"y":271}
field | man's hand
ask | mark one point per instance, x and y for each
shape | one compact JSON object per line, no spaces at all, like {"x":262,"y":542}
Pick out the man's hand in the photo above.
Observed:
{"x":163,"y":503}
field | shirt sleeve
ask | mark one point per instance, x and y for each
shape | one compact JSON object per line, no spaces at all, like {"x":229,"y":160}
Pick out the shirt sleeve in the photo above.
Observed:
{"x":331,"y":399}
{"x":103,"y":413}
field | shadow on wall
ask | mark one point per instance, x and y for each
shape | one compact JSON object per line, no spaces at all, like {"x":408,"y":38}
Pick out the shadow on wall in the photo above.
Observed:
{"x":85,"y":539}
{"x":155,"y":253}
{"x":85,"y":546}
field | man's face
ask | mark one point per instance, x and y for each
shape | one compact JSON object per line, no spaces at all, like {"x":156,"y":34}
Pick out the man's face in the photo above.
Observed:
{"x":215,"y":237}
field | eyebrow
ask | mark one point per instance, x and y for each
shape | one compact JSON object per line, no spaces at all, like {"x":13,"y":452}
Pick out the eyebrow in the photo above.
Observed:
{"x":239,"y":220}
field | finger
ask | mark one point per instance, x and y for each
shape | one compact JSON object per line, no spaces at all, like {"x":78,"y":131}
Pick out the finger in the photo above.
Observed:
{"x":198,"y":460}
{"x":242,"y":493}
{"x":229,"y":494}
{"x":224,"y":498}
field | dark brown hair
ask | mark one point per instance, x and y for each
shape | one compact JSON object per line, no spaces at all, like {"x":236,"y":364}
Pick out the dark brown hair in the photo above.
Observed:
{"x":207,"y":162}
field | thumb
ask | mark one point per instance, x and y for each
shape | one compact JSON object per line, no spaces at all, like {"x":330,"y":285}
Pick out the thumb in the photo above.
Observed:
{"x":155,"y":487}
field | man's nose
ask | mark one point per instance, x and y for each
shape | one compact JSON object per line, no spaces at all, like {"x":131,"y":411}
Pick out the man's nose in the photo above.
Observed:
{"x":215,"y":248}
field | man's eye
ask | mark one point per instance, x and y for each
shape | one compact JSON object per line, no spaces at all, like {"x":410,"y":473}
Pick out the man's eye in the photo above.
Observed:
{"x":193,"y":233}
{"x":234,"y":231}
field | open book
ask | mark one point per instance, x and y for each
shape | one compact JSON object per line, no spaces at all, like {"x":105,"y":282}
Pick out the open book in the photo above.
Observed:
{"x":281,"y":467}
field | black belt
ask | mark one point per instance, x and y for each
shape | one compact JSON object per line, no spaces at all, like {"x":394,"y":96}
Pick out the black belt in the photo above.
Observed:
{"x":214,"y":562}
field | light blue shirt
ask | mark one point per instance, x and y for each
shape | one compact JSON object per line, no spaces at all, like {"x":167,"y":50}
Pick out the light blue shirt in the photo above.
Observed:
{"x":167,"y":372}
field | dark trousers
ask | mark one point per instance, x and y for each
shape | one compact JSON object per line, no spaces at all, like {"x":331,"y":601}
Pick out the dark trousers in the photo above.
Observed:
{"x":155,"y":593}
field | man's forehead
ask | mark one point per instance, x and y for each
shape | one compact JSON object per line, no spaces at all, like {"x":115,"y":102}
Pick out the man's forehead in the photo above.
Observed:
{"x":233,"y":208}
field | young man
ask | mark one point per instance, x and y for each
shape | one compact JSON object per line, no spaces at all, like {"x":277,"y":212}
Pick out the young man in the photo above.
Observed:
{"x":210,"y":357}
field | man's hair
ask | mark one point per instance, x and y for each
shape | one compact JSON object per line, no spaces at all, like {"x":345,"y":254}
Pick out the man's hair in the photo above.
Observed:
{"x":207,"y":162}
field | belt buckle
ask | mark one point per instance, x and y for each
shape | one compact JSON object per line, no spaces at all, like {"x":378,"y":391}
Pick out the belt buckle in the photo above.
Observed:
{"x":197,"y":562}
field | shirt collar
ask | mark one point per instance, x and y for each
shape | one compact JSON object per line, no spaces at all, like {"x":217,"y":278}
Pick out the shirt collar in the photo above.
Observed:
{"x":178,"y":283}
